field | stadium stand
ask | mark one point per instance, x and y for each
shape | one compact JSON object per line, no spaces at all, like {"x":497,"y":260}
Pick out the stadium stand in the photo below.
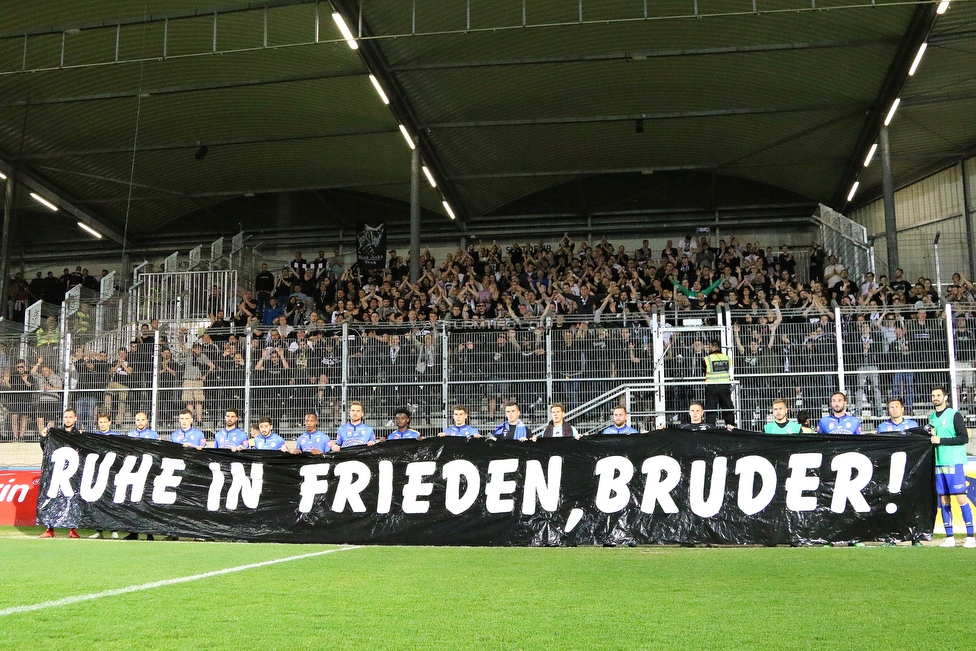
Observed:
{"x":588,"y":326}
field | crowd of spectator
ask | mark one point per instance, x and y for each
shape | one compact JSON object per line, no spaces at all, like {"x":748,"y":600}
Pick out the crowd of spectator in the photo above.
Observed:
{"x":498,"y":303}
{"x":22,"y":293}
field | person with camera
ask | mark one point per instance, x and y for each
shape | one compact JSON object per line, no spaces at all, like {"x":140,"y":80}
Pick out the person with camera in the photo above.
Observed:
{"x":198,"y":366}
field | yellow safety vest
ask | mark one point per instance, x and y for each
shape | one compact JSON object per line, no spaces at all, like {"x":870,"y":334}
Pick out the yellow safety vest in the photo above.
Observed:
{"x":47,"y":338}
{"x":718,"y":368}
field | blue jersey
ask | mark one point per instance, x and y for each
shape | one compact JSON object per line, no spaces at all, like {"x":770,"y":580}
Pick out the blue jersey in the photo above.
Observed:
{"x":350,"y":435}
{"x":463,"y":430}
{"x":227,"y":439}
{"x":270,"y":442}
{"x":846,"y":424}
{"x":888,"y":426}
{"x":506,"y":430}
{"x":613,"y":429}
{"x":192,"y":436}
{"x":397,"y":435}
{"x":317,"y":440}
{"x":143,"y":434}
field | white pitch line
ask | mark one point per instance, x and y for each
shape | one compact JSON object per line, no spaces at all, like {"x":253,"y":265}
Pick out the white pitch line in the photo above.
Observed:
{"x":67,"y":601}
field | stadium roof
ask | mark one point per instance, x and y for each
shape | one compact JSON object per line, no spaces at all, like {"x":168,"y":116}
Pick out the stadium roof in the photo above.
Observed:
{"x":137,"y":114}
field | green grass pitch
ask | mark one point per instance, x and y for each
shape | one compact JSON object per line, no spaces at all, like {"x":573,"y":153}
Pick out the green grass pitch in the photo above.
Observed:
{"x":484,"y":598}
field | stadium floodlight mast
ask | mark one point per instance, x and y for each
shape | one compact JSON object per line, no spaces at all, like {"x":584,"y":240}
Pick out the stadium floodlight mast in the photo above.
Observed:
{"x":344,"y":30}
{"x":44,"y":202}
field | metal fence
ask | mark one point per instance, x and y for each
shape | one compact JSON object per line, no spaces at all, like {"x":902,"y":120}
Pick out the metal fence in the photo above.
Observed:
{"x":848,"y":240}
{"x":652,"y":364}
{"x":184,"y":296}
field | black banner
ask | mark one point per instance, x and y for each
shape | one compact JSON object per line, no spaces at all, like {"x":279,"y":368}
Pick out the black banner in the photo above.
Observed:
{"x":670,"y":486}
{"x":371,"y":246}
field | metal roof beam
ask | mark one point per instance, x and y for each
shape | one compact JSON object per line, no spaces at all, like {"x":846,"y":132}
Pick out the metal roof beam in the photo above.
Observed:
{"x":649,"y":54}
{"x":671,"y":115}
{"x":649,"y":169}
{"x":228,"y":142}
{"x":148,"y":19}
{"x":918,"y":31}
{"x":377,"y":63}
{"x":62,"y":200}
{"x":179,"y":90}
{"x":240,"y":192}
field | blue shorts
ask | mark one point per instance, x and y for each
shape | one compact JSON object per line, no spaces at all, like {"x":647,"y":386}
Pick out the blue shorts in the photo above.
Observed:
{"x":950,"y":480}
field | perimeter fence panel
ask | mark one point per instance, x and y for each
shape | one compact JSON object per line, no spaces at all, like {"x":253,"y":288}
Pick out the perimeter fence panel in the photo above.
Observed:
{"x":963,"y":328}
{"x":790,"y":355}
{"x":899,"y":352}
{"x":187,"y":295}
{"x":652,"y":364}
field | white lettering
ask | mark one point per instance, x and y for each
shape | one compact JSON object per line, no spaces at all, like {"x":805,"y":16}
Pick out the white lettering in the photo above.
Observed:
{"x":64,"y":465}
{"x":247,"y":488}
{"x":747,"y":468}
{"x":666,"y":473}
{"x":700,"y":506}
{"x":385,"y":497}
{"x":537,"y":489}
{"x":125,"y":478}
{"x":453,"y":472}
{"x":612,"y":492}
{"x":800,"y":482}
{"x":497,"y":486}
{"x":312,"y":485}
{"x":854,"y":472}
{"x":90,"y":488}
{"x":348,"y":489}
{"x":12,"y":495}
{"x":416,"y":487}
{"x":166,"y":479}
{"x":216,"y":487}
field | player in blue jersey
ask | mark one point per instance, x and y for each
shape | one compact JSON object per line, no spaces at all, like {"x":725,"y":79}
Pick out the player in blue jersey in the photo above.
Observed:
{"x":312,"y":440}
{"x":896,"y":418}
{"x":838,"y":421}
{"x":402,"y":431}
{"x":231,"y":437}
{"x":460,"y":426}
{"x":355,"y":432}
{"x":142,"y":430}
{"x":105,"y":426}
{"x":620,"y":425}
{"x":187,"y":435}
{"x":949,"y":436}
{"x":513,"y":427}
{"x":267,"y":438}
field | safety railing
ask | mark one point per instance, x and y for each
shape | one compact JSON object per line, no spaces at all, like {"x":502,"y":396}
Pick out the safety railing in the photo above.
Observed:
{"x":652,"y":364}
{"x":184,"y":296}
